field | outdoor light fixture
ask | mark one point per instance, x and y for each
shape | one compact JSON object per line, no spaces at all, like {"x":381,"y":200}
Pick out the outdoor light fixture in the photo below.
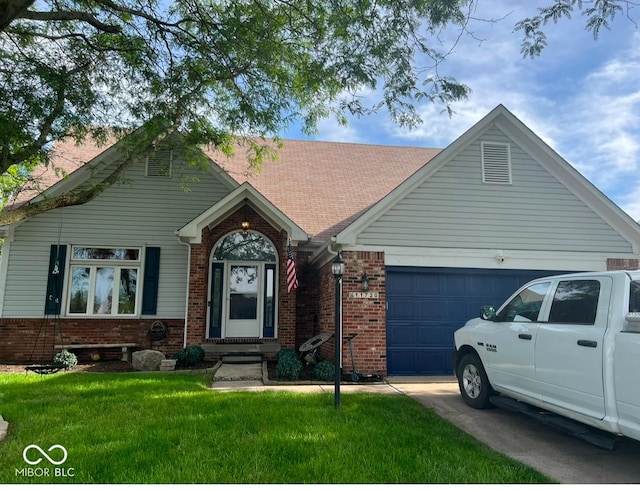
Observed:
{"x":337,"y":268}
{"x":365,"y":282}
{"x":245,"y":221}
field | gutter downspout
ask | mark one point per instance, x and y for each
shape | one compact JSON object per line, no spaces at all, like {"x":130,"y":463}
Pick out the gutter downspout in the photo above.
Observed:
{"x":186,"y":300}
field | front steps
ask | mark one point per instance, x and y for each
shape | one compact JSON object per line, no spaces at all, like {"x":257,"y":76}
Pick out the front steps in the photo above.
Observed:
{"x":219,"y":350}
{"x":241,"y":359}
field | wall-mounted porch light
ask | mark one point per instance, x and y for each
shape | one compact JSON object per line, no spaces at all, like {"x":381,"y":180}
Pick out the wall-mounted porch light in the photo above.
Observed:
{"x":365,"y":281}
{"x":245,"y":222}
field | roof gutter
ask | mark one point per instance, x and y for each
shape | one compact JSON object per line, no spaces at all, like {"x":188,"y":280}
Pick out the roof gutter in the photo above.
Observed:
{"x":326,"y":252}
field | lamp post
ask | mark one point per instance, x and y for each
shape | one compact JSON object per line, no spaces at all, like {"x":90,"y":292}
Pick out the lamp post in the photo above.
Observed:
{"x":337,"y":268}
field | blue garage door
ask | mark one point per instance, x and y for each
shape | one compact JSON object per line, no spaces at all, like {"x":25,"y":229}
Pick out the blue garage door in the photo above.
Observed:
{"x":426,"y":305}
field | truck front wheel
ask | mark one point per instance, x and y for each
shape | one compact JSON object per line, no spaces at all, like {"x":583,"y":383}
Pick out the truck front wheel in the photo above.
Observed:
{"x":473,"y":382}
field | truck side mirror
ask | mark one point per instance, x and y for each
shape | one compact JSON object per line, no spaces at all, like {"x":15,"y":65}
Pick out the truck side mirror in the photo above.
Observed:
{"x":633,"y":320}
{"x":488,"y":313}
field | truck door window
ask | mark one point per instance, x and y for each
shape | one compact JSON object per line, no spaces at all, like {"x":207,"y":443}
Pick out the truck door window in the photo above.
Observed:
{"x":525,"y":307}
{"x":634,"y":297}
{"x":575,"y":302}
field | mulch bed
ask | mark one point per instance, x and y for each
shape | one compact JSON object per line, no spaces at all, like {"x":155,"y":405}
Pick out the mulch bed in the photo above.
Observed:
{"x":125,"y":367}
{"x":98,"y":367}
{"x":305,"y":375}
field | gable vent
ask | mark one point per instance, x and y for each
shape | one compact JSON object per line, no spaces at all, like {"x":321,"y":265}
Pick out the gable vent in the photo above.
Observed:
{"x":159,"y":163}
{"x":496,"y":163}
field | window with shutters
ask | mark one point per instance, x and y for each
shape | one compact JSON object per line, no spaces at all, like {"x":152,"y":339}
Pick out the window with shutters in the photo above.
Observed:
{"x":496,"y":163}
{"x":104,"y":281}
{"x":159,"y":163}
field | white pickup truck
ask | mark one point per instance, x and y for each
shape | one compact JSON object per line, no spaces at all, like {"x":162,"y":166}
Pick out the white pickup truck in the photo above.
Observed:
{"x":566,"y":344}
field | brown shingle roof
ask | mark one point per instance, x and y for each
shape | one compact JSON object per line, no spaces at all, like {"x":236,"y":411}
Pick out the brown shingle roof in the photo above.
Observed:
{"x":321,"y":186}
{"x":325,"y":186}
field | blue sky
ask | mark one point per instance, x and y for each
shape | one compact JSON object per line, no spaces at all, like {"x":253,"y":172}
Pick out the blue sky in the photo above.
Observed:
{"x":581,"y":96}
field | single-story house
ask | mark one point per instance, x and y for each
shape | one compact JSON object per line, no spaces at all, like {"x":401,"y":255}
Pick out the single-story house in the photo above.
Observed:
{"x":427,"y":237}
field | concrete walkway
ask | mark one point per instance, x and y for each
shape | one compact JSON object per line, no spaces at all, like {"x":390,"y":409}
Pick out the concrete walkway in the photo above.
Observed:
{"x":553,"y":453}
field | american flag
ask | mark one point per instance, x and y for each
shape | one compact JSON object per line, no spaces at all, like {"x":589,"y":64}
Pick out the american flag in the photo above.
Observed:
{"x":292,"y":278}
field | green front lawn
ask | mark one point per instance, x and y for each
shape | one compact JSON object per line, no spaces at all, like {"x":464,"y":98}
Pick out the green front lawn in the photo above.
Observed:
{"x":142,"y":428}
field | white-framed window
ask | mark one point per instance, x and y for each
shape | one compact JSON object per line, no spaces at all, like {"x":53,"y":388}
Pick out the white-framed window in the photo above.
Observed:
{"x":104,"y":281}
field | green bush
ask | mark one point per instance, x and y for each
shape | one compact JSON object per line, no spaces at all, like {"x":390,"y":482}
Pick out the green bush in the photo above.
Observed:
{"x":287,"y":353}
{"x":324,"y":370}
{"x":65,"y":359}
{"x":289,"y":367}
{"x":189,"y":356}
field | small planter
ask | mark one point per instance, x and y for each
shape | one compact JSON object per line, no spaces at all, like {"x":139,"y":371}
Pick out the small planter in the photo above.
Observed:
{"x":168,"y":365}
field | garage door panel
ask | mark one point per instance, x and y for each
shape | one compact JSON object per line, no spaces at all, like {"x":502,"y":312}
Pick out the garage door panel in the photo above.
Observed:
{"x":406,"y":334}
{"x":427,"y":305}
{"x":402,"y":284}
{"x":431,"y":308}
{"x":456,"y":310}
{"x":426,"y":285}
{"x":409,"y":362}
{"x":403,"y":309}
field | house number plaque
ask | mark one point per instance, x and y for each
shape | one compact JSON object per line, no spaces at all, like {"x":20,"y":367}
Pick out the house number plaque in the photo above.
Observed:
{"x":363,"y":295}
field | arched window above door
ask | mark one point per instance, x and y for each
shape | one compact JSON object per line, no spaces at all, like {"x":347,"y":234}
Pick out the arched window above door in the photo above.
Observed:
{"x":245,"y":246}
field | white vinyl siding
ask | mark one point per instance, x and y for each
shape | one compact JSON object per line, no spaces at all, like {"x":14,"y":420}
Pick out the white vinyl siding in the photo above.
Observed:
{"x":454,"y":209}
{"x":139,"y":212}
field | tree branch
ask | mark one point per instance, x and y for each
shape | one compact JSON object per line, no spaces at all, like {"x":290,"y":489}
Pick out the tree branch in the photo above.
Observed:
{"x":12,"y":9}
{"x":68,"y":15}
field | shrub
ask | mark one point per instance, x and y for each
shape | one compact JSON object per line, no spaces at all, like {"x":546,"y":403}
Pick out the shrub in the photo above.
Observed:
{"x":324,"y":370}
{"x":287,"y":353}
{"x":289,"y":367}
{"x":189,"y":356}
{"x":65,"y":359}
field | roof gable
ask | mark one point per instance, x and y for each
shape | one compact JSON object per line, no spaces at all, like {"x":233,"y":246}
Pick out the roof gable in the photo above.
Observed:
{"x":544,"y":155}
{"x":192,"y":231}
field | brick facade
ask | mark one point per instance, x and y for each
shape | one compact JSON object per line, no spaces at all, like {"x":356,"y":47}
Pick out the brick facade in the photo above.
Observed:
{"x":307,"y":312}
{"x":622,"y":264}
{"x":365,"y":317}
{"x":33,"y":339}
{"x":199,"y":281}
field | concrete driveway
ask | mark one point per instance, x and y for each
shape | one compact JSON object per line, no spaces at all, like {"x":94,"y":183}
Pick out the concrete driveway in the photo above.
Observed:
{"x":553,"y":453}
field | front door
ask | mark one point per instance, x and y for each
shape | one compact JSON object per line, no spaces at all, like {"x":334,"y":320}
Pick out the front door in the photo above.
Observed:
{"x":243,"y":300}
{"x":242,"y":288}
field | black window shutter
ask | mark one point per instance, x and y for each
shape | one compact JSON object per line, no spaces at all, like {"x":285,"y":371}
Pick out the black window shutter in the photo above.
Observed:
{"x":151,"y":281}
{"x":55,"y":279}
{"x":215,"y":305}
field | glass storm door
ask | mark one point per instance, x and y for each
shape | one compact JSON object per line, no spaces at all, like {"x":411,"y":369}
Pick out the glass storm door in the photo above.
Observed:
{"x":243,"y":300}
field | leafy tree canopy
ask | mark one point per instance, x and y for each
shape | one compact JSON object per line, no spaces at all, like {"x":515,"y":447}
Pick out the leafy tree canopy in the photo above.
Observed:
{"x":598,"y":15}
{"x":217,"y":71}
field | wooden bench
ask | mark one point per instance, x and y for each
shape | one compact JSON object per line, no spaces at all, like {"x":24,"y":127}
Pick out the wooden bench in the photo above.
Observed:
{"x":127,"y":349}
